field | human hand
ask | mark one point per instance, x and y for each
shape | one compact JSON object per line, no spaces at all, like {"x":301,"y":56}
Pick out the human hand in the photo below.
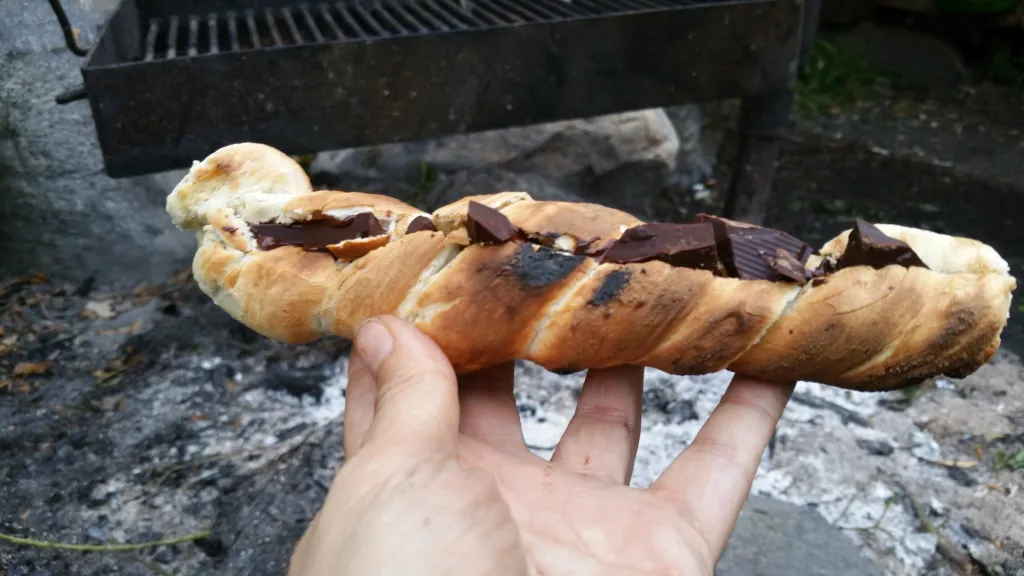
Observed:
{"x":438,"y":478}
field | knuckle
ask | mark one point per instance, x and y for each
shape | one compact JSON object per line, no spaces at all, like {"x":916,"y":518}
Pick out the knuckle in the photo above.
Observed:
{"x":401,"y":382}
{"x":753,"y":406}
{"x":605,"y":414}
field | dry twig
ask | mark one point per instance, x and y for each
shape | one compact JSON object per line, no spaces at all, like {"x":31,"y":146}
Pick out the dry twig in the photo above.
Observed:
{"x":103,"y":547}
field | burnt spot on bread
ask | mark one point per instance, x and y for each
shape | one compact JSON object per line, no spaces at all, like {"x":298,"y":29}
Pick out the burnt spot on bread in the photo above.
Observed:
{"x":612,"y":286}
{"x":537,"y":267}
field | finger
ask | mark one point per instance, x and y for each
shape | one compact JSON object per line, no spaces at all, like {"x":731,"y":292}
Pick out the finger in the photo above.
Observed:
{"x":417,"y":400}
{"x":602,"y":437}
{"x":711,"y":479}
{"x":488,"y":408}
{"x":360,"y":395}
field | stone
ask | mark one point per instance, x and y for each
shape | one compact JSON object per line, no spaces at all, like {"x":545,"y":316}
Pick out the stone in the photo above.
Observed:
{"x":59,"y":212}
{"x":619,"y":159}
{"x":774,"y":538}
{"x":490,"y":180}
{"x":698,"y":145}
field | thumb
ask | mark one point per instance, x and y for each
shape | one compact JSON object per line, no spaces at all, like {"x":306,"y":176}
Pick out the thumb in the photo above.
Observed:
{"x":417,"y":391}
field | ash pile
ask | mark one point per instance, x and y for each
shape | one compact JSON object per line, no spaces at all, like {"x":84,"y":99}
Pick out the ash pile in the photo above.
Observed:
{"x":151,"y":416}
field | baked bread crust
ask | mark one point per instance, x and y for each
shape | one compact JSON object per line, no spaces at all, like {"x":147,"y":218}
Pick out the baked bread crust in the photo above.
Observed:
{"x":862,"y":329}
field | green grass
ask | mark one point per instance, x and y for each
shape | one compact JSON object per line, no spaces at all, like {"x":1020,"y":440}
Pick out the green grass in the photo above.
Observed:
{"x":1015,"y":462}
{"x":833,"y":77}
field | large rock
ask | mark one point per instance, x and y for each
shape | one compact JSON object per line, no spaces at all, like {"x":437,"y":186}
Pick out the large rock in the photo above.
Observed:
{"x":773,"y":538}
{"x":59,"y":213}
{"x":620,"y":159}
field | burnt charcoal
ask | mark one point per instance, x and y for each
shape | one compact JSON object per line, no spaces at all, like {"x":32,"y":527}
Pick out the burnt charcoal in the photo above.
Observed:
{"x":876,"y":447}
{"x":666,"y":402}
{"x":79,"y":439}
{"x":961,"y":476}
{"x":291,"y":432}
{"x":657,"y":399}
{"x":527,"y":410}
{"x":295,"y":382}
{"x":213,"y":546}
{"x":221,"y":373}
{"x":86,"y":287}
{"x":685,"y":411}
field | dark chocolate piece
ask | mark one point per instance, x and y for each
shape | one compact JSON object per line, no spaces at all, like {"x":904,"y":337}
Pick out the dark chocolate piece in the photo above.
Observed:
{"x":538,"y":267}
{"x":229,"y":229}
{"x":545,"y":239}
{"x":785,"y":265}
{"x":689,"y":245}
{"x":586,"y":246}
{"x":826,"y":267}
{"x":869,"y":246}
{"x":745,"y":248}
{"x":613,"y":284}
{"x":488,"y":226}
{"x":317,"y":235}
{"x":419,"y":224}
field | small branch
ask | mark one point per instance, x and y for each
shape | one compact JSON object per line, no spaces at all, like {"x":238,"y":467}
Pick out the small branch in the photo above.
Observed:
{"x":963,"y":563}
{"x":103,"y":547}
{"x":846,"y":414}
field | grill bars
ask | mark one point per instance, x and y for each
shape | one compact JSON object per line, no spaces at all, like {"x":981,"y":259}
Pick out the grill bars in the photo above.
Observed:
{"x":192,"y":35}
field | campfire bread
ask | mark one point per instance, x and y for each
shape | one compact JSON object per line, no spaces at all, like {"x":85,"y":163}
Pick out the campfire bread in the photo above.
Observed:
{"x":500,"y":277}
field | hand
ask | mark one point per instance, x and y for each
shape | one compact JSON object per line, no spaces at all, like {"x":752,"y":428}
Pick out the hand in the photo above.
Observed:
{"x":438,"y":478}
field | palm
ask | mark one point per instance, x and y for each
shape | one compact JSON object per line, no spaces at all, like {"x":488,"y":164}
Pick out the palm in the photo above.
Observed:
{"x":577,"y":515}
{"x":482,"y":490}
{"x":566,"y":519}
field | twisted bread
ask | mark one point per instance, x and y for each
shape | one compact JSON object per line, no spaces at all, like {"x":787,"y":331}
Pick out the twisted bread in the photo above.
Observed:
{"x":858,"y":328}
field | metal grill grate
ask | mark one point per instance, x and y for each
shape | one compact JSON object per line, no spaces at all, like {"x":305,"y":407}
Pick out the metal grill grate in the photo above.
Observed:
{"x":238,"y":31}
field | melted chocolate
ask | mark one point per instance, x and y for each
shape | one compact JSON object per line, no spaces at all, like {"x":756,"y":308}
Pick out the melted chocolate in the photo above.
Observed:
{"x":488,"y":226}
{"x":869,"y":246}
{"x":317,"y":235}
{"x":688,"y":245}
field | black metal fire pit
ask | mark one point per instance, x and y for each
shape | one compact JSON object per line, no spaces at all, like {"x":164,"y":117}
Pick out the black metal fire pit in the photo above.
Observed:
{"x":169,"y":81}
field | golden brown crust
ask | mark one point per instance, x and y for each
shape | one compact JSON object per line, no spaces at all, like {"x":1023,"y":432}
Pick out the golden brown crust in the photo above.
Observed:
{"x":351,"y":250}
{"x":860,"y":328}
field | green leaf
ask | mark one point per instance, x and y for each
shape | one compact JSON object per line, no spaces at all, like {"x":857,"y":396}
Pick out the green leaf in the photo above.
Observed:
{"x":1017,"y":462}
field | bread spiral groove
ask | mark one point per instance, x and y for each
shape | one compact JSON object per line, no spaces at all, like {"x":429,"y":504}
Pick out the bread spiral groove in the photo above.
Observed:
{"x":860,"y":328}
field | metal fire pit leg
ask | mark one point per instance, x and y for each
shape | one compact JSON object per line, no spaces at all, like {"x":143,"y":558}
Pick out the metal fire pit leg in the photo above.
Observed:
{"x":763,"y":118}
{"x":762,"y":121}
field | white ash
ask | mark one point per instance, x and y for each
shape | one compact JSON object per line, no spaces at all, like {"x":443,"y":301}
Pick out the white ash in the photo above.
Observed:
{"x":816,"y":461}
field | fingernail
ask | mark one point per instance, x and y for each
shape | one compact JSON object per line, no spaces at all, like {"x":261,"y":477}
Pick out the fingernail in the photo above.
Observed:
{"x":373,"y":341}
